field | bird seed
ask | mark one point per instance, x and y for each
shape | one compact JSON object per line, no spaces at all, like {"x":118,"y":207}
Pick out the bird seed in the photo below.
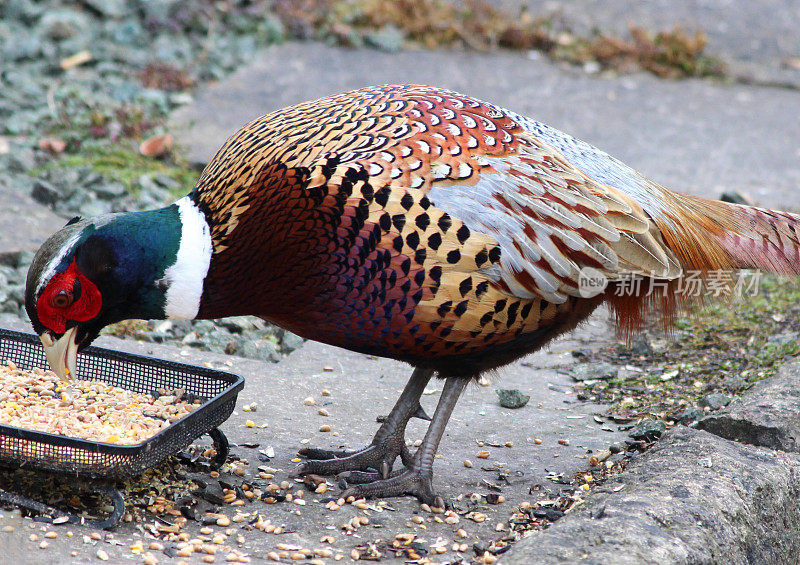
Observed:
{"x":93,"y":410}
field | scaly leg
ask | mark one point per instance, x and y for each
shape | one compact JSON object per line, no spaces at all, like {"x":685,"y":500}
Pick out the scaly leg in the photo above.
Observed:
{"x":389,"y":442}
{"x":417,"y":478}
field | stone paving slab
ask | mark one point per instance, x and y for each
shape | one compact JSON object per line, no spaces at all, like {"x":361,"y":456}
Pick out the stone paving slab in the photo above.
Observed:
{"x":692,"y":498}
{"x":363,"y":387}
{"x":693,"y":136}
{"x":768,"y":415}
{"x":726,"y":492}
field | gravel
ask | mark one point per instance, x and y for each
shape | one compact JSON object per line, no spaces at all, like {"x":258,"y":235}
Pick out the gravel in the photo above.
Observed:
{"x":714,"y":401}
{"x":512,"y":398}
{"x":689,"y":416}
{"x":144,"y":60}
{"x":594,"y":371}
{"x":144,"y":57}
{"x":648,"y":430}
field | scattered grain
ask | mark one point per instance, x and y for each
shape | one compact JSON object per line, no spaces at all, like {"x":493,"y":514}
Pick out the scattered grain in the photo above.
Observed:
{"x":39,"y":400}
{"x":477,"y":517}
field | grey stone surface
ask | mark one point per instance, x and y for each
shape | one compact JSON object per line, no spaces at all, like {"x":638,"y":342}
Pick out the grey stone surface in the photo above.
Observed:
{"x":692,"y":136}
{"x":767,"y":415}
{"x":693,"y":498}
{"x":16,"y":547}
{"x":648,"y":430}
{"x":594,"y":370}
{"x":714,"y":401}
{"x":756,"y":37}
{"x":362,"y":388}
{"x":24,"y":223}
{"x":512,"y":398}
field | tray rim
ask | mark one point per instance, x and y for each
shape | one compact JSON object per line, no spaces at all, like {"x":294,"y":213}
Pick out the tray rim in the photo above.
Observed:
{"x":235,"y":384}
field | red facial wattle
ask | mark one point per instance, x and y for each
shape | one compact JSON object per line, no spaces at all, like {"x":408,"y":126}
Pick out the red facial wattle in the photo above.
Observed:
{"x":84,"y":306}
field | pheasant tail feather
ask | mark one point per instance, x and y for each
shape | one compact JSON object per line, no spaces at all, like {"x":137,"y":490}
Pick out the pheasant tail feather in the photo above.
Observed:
{"x":733,"y":236}
{"x":709,"y":235}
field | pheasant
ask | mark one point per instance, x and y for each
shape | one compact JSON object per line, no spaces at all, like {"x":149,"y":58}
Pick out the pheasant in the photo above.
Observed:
{"x":402,"y":221}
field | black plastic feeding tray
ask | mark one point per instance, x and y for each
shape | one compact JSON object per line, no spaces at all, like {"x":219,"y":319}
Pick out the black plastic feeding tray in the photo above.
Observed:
{"x":106,"y":462}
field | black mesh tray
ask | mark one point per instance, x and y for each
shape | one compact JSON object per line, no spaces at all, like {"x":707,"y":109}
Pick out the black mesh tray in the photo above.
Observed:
{"x":20,"y":447}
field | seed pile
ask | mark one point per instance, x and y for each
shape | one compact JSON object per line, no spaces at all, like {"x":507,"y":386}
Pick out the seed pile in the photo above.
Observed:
{"x":93,"y":410}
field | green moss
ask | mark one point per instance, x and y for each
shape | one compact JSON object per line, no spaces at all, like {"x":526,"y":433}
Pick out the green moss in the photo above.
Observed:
{"x":125,"y":164}
{"x":127,"y":328}
{"x":724,"y":347}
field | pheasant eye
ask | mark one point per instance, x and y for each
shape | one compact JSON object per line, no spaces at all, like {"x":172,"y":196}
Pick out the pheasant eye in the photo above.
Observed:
{"x":62,"y":299}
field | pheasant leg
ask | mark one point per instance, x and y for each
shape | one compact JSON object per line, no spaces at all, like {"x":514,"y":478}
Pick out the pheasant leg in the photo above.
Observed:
{"x":417,"y":477}
{"x":389,"y":442}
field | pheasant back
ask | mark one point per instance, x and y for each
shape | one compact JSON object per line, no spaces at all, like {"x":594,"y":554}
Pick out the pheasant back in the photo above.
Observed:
{"x":421,"y":224}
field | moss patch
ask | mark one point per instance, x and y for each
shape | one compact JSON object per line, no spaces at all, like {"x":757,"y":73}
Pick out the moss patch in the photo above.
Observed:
{"x":724,"y":347}
{"x":127,"y":328}
{"x":122,"y":162}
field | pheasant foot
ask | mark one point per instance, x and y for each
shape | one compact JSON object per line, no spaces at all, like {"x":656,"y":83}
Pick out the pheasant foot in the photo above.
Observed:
{"x":386,"y":446}
{"x":379,"y":457}
{"x":417,"y":477}
{"x":411,"y":480}
{"x":360,"y":477}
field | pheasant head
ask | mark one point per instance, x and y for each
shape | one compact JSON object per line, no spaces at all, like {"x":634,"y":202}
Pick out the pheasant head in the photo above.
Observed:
{"x":98,"y":271}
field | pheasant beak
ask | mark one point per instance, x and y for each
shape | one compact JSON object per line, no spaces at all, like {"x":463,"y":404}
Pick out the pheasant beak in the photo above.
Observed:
{"x":62,"y":354}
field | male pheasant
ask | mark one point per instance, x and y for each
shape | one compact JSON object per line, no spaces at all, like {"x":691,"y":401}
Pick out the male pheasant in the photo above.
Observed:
{"x":403,"y":221}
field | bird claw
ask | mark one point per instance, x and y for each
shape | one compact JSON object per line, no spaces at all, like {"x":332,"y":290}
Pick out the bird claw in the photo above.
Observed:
{"x":324,"y":454}
{"x":378,"y":458}
{"x":421,"y":414}
{"x":299,"y":471}
{"x":409,"y":481}
{"x":362,"y":477}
